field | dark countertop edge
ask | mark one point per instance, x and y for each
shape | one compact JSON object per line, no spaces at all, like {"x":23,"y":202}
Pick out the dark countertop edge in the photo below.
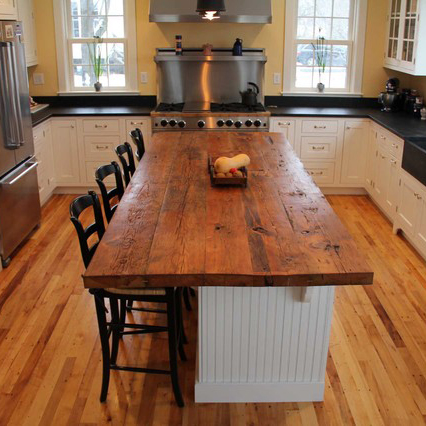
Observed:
{"x":400,"y":124}
{"x":41,"y":116}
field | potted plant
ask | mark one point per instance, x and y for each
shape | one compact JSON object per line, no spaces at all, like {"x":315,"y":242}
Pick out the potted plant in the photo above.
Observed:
{"x":95,"y":54}
{"x":320,"y":53}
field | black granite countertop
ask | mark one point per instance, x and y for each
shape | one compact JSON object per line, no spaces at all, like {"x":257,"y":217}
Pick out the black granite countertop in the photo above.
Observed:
{"x":45,"y":114}
{"x":400,"y":123}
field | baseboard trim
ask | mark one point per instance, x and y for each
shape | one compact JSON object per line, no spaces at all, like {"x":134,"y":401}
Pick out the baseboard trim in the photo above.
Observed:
{"x":259,"y":392}
{"x":342,"y":191}
{"x":75,"y":190}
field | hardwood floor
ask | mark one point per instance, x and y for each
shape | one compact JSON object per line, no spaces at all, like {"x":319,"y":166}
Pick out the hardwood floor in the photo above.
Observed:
{"x":50,"y":355}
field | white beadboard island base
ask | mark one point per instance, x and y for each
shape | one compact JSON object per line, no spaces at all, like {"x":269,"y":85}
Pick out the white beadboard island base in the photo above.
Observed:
{"x":263,"y":344}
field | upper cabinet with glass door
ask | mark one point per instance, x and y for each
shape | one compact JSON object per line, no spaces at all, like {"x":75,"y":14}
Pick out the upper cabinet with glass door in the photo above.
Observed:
{"x":407,"y":27}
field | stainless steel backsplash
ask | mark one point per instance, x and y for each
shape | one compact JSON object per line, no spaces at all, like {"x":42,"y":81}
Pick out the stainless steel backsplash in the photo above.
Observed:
{"x":194,"y":77}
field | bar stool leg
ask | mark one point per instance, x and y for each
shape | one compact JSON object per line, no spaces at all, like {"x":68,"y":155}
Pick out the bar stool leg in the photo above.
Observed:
{"x":186,"y":299}
{"x":103,"y":333}
{"x":116,"y":328}
{"x":171,"y":322}
{"x":123,"y":310}
{"x":179,"y":321}
{"x":192,"y":292}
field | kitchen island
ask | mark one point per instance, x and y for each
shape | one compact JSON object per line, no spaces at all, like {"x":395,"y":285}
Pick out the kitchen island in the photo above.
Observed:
{"x":266,"y":259}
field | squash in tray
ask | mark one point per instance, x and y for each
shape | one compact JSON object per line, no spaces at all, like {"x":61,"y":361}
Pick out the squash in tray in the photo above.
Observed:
{"x":225,"y":164}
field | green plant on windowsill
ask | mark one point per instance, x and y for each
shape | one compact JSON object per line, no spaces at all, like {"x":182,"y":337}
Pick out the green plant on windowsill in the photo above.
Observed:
{"x":320,"y":53}
{"x":95,"y":54}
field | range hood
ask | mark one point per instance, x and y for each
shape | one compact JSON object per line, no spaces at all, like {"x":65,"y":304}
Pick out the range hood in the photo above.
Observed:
{"x":239,"y":11}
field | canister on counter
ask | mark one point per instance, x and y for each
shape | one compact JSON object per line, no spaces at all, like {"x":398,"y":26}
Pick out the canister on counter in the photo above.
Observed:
{"x":178,"y":45}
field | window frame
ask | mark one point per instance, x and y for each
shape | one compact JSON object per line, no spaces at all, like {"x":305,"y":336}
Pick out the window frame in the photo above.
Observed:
{"x":63,"y":20}
{"x":355,"y":52}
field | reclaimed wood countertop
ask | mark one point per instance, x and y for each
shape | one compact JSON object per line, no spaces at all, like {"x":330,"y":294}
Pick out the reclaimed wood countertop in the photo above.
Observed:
{"x":172,"y":228}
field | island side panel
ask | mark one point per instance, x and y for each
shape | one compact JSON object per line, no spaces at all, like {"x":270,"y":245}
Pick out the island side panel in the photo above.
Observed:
{"x":262,"y":344}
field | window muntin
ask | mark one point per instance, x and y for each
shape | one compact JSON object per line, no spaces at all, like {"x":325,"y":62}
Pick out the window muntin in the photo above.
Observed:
{"x":333,"y":20}
{"x":104,"y":19}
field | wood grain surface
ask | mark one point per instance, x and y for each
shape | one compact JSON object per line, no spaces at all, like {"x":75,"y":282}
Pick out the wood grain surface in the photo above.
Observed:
{"x":172,"y":228}
{"x":51,"y":369}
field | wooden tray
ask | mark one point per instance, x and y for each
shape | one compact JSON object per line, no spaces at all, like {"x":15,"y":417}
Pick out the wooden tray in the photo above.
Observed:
{"x":226,"y":181}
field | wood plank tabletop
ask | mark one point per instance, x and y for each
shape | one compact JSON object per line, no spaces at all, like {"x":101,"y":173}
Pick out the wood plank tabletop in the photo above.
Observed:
{"x":172,"y":228}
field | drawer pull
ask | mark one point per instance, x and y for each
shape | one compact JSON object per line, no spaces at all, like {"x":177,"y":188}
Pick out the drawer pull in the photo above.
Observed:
{"x":284,"y":124}
{"x":318,"y":148}
{"x":382,"y":137}
{"x":316,"y":173}
{"x":135,"y":123}
{"x":102,"y":147}
{"x":393,"y":161}
{"x":101,"y":126}
{"x":320,"y":127}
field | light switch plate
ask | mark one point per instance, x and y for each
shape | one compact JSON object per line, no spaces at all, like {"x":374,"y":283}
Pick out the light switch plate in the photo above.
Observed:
{"x":144,"y":77}
{"x":277,"y":78}
{"x":38,"y":79}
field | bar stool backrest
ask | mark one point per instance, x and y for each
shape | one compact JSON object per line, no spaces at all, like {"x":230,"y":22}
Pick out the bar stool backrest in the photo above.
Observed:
{"x":77,"y":207}
{"x":125,"y":155}
{"x":137,"y":138}
{"x":101,"y":174}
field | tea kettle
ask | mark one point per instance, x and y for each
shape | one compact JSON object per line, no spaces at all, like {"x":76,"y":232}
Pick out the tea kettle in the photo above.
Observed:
{"x":249,"y":97}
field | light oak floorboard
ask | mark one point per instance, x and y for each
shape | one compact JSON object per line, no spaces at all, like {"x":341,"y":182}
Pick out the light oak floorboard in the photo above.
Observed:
{"x":50,"y":370}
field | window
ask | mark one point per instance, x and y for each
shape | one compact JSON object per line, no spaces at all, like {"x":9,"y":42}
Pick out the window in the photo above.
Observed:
{"x":324,"y":44}
{"x":96,"y":41}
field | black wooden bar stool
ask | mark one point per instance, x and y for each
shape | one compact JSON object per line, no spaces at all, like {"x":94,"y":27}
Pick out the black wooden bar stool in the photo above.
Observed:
{"x":117,"y":192}
{"x":125,"y":155}
{"x":137,"y":138}
{"x":117,"y":326}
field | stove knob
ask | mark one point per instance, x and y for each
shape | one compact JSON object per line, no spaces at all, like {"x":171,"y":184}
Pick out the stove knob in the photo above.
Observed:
{"x":164,"y":123}
{"x":249,"y":123}
{"x":172,"y":123}
{"x":182,"y":124}
{"x":229,"y":123}
{"x":238,"y":124}
{"x":220,"y":123}
{"x":257,"y":123}
{"x":201,"y":124}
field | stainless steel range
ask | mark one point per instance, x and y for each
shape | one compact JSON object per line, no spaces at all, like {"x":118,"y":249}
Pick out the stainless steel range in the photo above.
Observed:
{"x":198,"y":92}
{"x":210,"y":116}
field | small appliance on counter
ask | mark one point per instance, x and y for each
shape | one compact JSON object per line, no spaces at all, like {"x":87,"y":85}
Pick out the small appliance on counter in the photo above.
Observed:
{"x":391,"y":99}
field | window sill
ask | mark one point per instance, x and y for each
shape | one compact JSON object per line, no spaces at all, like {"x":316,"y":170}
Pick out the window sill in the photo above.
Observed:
{"x":324,"y":94}
{"x":102,"y":93}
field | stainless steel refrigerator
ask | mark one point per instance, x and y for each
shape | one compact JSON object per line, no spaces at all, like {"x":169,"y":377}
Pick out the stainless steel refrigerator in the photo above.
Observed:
{"x":19,"y":198}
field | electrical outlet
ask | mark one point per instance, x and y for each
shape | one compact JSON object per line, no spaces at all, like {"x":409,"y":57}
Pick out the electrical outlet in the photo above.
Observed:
{"x":38,"y":79}
{"x":144,"y":77}
{"x":277,"y":78}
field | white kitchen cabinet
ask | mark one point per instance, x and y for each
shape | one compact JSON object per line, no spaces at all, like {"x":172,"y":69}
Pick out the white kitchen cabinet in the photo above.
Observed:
{"x":371,"y":161}
{"x":285,"y":126}
{"x":8,"y":9}
{"x":26,"y":15}
{"x":65,"y":151}
{"x":44,"y":154}
{"x":406,"y":31}
{"x":408,"y":205}
{"x":144,"y":124}
{"x":411,"y":211}
{"x":355,"y":149}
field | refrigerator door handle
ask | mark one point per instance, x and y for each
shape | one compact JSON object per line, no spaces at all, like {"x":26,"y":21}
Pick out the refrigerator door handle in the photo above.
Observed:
{"x":9,"y":80}
{"x":32,"y":165}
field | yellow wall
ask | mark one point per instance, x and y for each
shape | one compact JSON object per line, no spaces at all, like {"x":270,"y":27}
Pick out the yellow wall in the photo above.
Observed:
{"x":271,"y":37}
